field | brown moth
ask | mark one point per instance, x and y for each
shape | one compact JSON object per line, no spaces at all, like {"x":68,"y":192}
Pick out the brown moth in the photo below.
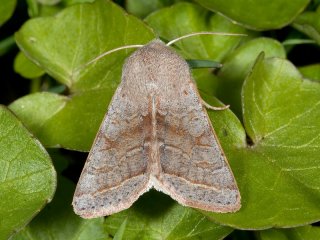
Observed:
{"x":156,"y":133}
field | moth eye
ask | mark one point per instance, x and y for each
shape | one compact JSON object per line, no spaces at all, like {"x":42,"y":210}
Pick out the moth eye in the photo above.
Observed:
{"x":185,"y":92}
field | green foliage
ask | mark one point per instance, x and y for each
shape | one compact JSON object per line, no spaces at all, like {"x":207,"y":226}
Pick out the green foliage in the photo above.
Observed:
{"x":163,"y":219}
{"x":28,"y":179}
{"x":270,"y":134}
{"x":259,"y":15}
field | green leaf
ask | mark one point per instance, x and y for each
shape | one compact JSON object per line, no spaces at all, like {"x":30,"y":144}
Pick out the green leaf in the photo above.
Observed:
{"x":277,"y":172}
{"x":6,"y":10}
{"x":157,"y":216}
{"x":6,"y":45}
{"x":26,"y":68}
{"x":90,"y":87}
{"x":49,"y":2}
{"x":184,"y":18}
{"x":309,"y":24}
{"x":120,"y":231}
{"x":311,"y":71}
{"x":238,"y":64}
{"x":299,"y":233}
{"x":258,"y":15}
{"x":27,"y":178}
{"x":143,"y":8}
{"x":58,"y":221}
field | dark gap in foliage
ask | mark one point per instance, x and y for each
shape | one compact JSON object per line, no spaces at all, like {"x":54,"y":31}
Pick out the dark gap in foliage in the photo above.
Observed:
{"x":241,"y":235}
{"x":13,"y":85}
{"x":76,"y":163}
{"x":304,"y":54}
{"x":249,"y":141}
{"x":281,"y":34}
{"x":316,"y":224}
{"x":120,"y":2}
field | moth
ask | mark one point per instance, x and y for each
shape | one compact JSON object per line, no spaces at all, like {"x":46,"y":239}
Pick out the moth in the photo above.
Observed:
{"x":156,"y":134}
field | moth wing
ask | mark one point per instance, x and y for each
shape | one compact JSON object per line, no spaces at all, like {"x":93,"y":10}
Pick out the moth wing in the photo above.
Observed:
{"x":114,"y":175}
{"x":195,"y":171}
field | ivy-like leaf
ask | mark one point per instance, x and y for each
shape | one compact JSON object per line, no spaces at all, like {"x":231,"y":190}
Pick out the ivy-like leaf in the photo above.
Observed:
{"x":311,"y":71}
{"x":277,"y":172}
{"x":143,"y":8}
{"x":6,"y":10}
{"x":58,"y":221}
{"x":309,"y":24}
{"x":167,"y":23}
{"x":258,"y":15}
{"x":299,"y":233}
{"x":238,"y":64}
{"x":27,"y":176}
{"x":26,"y":68}
{"x":91,"y":87}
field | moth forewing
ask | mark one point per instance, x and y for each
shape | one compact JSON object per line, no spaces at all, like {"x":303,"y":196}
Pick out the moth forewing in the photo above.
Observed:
{"x":156,"y":133}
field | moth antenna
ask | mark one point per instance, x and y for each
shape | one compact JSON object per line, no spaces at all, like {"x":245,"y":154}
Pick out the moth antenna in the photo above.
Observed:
{"x":207,"y":105}
{"x":107,"y":53}
{"x":203,"y":33}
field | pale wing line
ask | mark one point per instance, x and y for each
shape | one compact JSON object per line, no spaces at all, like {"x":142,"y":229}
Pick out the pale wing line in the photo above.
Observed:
{"x":105,"y":190}
{"x":292,"y":119}
{"x":194,"y":184}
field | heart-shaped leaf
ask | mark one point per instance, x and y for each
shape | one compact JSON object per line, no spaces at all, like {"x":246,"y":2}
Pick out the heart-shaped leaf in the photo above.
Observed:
{"x":238,"y":64}
{"x":277,"y":172}
{"x":6,"y":10}
{"x":258,"y":15}
{"x":90,"y":87}
{"x":26,"y":68}
{"x":309,"y":23}
{"x":311,"y":71}
{"x":27,"y":177}
{"x":167,"y":24}
{"x":58,"y":221}
{"x":299,"y":233}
